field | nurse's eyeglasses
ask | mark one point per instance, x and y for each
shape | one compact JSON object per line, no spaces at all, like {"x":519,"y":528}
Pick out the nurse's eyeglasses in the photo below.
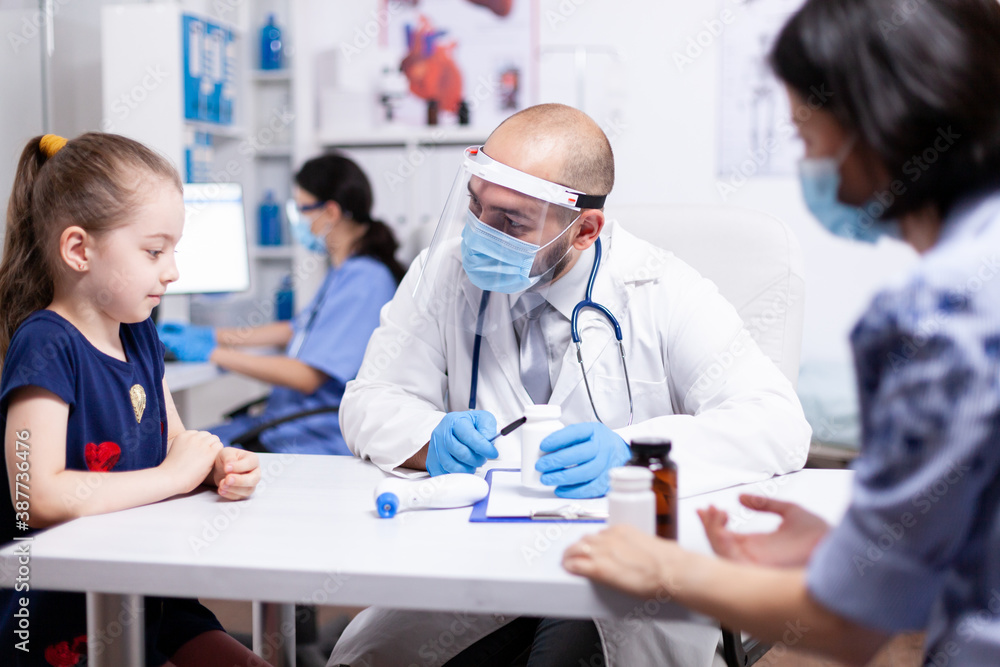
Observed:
{"x":308,"y":207}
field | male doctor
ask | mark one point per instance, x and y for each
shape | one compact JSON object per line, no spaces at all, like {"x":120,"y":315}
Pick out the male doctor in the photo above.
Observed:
{"x":481,"y":327}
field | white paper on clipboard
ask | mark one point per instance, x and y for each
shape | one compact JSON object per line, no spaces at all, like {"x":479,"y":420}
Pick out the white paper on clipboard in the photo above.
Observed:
{"x":509,"y":499}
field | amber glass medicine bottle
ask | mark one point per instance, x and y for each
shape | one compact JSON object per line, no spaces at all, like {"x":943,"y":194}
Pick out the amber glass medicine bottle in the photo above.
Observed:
{"x":654,"y":454}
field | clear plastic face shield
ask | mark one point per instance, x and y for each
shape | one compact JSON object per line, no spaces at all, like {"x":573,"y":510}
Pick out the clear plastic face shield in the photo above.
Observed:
{"x":502,"y":231}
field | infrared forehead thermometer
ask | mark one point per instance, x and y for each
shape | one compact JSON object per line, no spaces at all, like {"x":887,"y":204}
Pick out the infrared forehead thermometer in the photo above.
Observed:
{"x":393,"y":495}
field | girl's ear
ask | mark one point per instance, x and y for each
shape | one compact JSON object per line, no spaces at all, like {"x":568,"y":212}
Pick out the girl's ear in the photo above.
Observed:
{"x":75,"y":248}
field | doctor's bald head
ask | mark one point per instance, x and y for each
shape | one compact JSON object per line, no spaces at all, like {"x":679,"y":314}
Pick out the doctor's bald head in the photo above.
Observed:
{"x":558,"y":143}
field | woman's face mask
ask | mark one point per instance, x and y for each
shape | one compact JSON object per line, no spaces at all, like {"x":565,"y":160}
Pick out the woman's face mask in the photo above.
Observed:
{"x":301,"y":227}
{"x":498,"y":262}
{"x":305,"y":236}
{"x":820,"y":181}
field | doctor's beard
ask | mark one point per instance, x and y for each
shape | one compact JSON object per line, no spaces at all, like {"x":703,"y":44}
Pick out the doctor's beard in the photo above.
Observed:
{"x":558,"y":258}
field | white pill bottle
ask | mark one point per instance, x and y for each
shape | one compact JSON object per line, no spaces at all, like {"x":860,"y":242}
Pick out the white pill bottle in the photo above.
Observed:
{"x":631,"y":501}
{"x":542,"y":420}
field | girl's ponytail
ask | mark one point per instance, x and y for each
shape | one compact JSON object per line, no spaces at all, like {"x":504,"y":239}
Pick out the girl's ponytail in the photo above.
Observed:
{"x":25,"y":282}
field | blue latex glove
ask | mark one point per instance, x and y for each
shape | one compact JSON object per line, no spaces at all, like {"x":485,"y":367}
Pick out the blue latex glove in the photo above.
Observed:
{"x":188,"y":342}
{"x":460,"y":442}
{"x":578,"y":459}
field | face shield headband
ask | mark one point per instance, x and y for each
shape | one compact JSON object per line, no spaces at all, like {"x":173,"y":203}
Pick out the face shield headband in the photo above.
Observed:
{"x":498,"y":262}
{"x":478,"y":163}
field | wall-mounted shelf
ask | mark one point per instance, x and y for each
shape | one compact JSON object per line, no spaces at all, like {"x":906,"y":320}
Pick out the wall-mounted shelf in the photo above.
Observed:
{"x":270,"y":95}
{"x":275,"y":152}
{"x":216,"y":130}
{"x":275,"y":75}
{"x":405,"y":136}
{"x":275,"y":252}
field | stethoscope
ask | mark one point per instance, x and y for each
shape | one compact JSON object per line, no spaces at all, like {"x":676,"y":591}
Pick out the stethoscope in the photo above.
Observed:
{"x":588,"y":302}
{"x":303,"y":333}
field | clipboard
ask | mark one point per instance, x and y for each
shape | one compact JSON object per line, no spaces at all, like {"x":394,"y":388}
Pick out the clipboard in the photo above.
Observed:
{"x":478,"y":514}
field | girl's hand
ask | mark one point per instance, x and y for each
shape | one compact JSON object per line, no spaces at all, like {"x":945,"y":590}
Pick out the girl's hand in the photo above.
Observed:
{"x":789,"y":546}
{"x":627,"y":559}
{"x":236,"y":473}
{"x":190,"y":457}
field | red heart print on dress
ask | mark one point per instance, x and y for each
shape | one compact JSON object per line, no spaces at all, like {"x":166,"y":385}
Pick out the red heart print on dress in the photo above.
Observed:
{"x":102,"y":457}
{"x":61,"y":655}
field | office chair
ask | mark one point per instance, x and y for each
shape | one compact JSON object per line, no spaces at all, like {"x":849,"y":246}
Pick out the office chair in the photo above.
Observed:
{"x":306,"y":629}
{"x":250,"y":440}
{"x":752,"y":258}
{"x":756,"y":262}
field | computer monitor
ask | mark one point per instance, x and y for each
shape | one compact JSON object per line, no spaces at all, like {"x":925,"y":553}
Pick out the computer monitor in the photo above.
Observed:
{"x":212,"y":255}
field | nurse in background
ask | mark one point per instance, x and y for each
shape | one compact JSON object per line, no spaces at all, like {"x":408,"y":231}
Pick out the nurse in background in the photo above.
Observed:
{"x":325,"y":342}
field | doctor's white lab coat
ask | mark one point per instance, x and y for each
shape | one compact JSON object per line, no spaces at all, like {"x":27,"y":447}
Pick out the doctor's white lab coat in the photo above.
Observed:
{"x":697,"y":377}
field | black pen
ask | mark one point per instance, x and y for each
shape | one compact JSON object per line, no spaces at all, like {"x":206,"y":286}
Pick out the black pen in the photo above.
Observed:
{"x":510,"y":428}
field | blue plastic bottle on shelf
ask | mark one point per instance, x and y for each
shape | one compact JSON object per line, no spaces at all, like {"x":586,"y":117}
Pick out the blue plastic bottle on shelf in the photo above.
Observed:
{"x":284,"y":300}
{"x":271,"y":46}
{"x":269,"y":221}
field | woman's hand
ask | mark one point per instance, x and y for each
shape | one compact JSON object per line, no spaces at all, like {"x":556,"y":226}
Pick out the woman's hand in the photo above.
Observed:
{"x":236,"y":473}
{"x":789,"y":546}
{"x":190,"y":457}
{"x":627,"y":559}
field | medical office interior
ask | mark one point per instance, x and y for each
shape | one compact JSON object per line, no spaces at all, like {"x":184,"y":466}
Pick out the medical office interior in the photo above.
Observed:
{"x":697,"y":123}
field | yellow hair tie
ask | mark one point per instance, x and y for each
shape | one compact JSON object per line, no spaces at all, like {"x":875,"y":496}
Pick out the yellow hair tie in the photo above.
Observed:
{"x":50,"y":144}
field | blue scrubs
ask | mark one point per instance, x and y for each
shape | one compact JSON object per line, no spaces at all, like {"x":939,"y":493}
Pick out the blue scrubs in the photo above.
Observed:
{"x":330,"y":334}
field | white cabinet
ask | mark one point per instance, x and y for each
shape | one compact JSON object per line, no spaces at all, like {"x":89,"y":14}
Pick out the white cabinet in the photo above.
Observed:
{"x":411,"y":170}
{"x":270,"y":100}
{"x":143,"y":97}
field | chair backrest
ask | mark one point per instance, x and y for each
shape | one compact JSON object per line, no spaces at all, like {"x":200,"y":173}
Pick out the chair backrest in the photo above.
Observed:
{"x":753,"y":258}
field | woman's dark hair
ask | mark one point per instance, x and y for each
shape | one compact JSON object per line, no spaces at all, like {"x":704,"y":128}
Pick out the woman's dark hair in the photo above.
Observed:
{"x":338,"y":179}
{"x":94,"y":181}
{"x":918,"y":82}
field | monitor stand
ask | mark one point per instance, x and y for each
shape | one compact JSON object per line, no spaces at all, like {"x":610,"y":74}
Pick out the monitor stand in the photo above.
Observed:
{"x":173,"y":308}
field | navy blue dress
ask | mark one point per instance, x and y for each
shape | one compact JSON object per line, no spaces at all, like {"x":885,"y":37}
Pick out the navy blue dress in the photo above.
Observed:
{"x":117,"y":422}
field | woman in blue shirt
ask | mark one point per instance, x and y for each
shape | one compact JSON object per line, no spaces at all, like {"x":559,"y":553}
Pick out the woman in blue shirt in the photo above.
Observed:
{"x":899,"y":108}
{"x":325,"y":342}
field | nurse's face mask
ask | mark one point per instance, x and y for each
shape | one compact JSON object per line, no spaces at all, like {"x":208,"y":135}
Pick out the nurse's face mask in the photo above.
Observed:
{"x":300,"y":223}
{"x":508,"y":230}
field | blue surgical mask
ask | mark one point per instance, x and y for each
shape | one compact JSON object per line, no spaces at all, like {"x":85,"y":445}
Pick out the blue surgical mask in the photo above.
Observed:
{"x":820,"y":180}
{"x":498,"y":262}
{"x":304,"y":235}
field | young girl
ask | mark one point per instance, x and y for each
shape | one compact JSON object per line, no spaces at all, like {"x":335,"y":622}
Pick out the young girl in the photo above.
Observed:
{"x":89,"y":250}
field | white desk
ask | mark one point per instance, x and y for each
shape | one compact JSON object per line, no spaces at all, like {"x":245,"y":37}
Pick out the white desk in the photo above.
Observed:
{"x":311,"y":535}
{"x":203,"y":392}
{"x":182,"y":375}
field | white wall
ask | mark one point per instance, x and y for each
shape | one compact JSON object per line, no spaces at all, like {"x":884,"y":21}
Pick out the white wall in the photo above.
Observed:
{"x":663,"y":123}
{"x":20,"y":71}
{"x":668,"y":147}
{"x":76,"y":74}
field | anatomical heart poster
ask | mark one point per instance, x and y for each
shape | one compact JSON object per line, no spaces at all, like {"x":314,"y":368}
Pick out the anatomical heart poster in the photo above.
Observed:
{"x":465,"y":62}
